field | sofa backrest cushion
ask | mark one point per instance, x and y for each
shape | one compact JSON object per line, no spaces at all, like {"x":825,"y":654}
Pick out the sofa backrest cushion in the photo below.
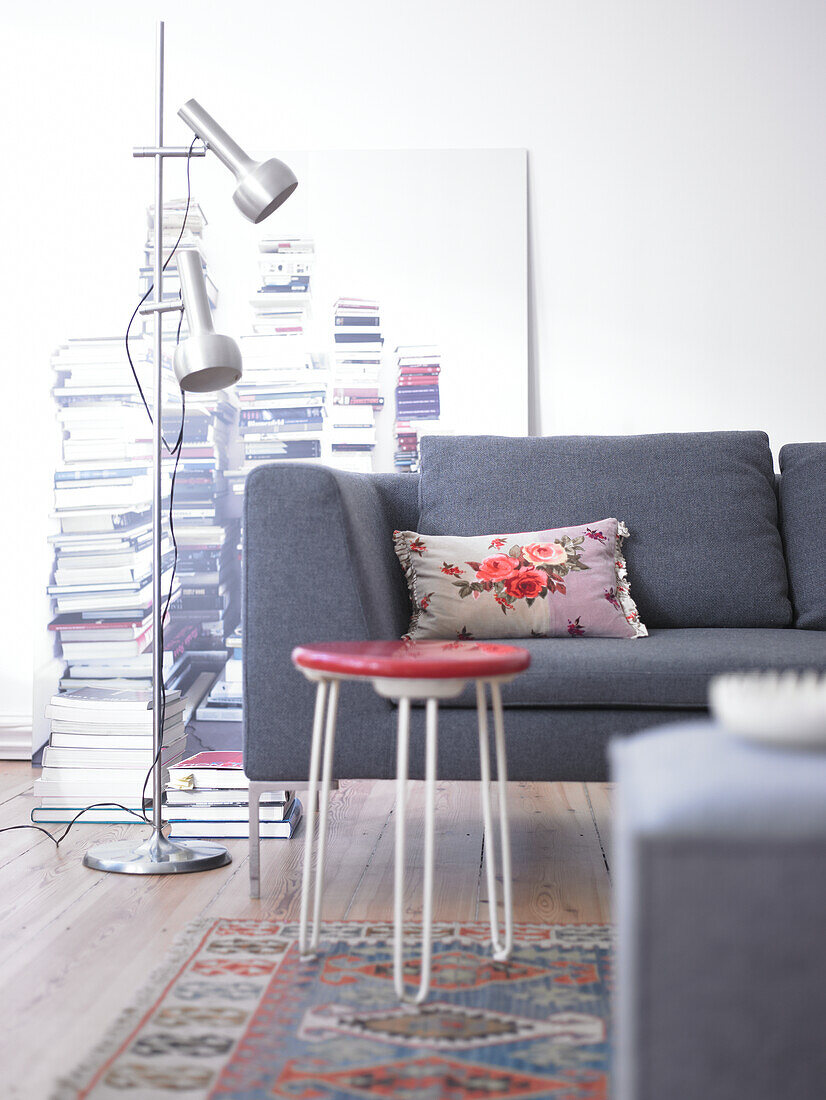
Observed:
{"x":704,"y":549}
{"x":802,"y":522}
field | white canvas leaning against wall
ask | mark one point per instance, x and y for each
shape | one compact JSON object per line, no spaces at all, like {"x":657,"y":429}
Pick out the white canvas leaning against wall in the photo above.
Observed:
{"x":400,"y":292}
{"x":386,"y":300}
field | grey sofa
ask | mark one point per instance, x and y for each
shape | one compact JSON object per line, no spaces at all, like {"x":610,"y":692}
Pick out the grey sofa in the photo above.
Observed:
{"x":726,"y":564}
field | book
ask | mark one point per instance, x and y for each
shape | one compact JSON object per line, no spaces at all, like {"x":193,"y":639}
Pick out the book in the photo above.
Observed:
{"x":92,"y":787}
{"x":84,"y":651}
{"x":100,"y":815}
{"x":127,"y":668}
{"x":125,"y":599}
{"x":213,"y":711}
{"x":114,"y":629}
{"x":272,"y":830}
{"x":91,"y":587}
{"x":107,"y":781}
{"x":121,"y":700}
{"x":356,"y":303}
{"x":100,"y":520}
{"x":217,"y":796}
{"x":115,"y":759}
{"x":286,"y":244}
{"x":358,"y":335}
{"x":282,"y":413}
{"x":91,"y":541}
{"x":134,"y":559}
{"x":227,"y":811}
{"x":284,"y":448}
{"x":134,"y":739}
{"x":209,"y":769}
{"x":98,"y":471}
{"x":100,"y":723}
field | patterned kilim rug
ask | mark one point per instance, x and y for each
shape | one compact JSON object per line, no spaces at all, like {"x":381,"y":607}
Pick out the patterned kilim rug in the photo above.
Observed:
{"x":236,"y":1015}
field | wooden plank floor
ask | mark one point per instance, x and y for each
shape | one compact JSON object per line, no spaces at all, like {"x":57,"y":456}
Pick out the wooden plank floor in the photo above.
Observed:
{"x":74,"y":942}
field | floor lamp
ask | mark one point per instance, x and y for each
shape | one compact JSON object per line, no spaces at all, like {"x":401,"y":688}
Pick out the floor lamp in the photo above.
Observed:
{"x":204,"y":362}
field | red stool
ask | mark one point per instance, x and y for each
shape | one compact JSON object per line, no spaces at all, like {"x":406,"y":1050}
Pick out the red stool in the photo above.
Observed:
{"x":405,"y":671}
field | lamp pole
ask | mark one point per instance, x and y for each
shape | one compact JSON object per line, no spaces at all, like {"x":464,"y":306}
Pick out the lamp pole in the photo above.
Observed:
{"x":205,"y":362}
{"x":158,"y":855}
{"x":157,"y":455}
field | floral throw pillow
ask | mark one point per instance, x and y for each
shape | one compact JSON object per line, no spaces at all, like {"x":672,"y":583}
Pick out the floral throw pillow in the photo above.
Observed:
{"x":567,"y":582}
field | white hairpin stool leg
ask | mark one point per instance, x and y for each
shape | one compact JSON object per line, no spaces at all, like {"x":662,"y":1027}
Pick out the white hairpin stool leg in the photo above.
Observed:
{"x":402,"y":739}
{"x":323,"y":808}
{"x":308,"y":951}
{"x":500,"y":951}
{"x":431,"y":752}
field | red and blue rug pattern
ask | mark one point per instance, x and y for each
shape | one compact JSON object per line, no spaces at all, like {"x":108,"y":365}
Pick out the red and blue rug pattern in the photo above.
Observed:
{"x":237,"y":1015}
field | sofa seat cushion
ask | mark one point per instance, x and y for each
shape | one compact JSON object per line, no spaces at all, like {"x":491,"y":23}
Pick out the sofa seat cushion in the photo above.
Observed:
{"x":705,"y":548}
{"x":670,"y":668}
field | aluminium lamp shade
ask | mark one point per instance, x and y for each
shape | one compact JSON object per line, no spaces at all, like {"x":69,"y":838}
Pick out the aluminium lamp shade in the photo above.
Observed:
{"x":205,"y":361}
{"x":262,"y":185}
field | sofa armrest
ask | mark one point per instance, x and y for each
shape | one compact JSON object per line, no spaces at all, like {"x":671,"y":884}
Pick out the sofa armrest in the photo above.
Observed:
{"x":319,"y":565}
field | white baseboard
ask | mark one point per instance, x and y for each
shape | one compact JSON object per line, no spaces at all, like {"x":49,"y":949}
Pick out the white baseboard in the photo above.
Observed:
{"x":15,"y":737}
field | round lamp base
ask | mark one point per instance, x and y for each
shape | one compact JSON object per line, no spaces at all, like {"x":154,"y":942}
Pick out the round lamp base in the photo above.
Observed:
{"x":156,"y":856}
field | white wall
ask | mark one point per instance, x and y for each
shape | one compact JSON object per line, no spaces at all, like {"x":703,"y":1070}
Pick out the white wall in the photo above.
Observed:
{"x":677,"y":166}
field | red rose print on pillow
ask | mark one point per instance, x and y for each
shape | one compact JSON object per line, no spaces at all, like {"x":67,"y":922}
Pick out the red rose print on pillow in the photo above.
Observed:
{"x":497,"y":568}
{"x":544,"y":553}
{"x":526,"y":584}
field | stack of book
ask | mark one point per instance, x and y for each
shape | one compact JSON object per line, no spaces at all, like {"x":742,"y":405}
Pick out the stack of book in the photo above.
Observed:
{"x":417,"y":400}
{"x":352,"y":437}
{"x":174,"y":212}
{"x":356,"y":382}
{"x":205,"y":530}
{"x":102,"y":587}
{"x":283,"y":393}
{"x":100,"y":749}
{"x":225,"y":700}
{"x":281,"y":304}
{"x":206,"y":607}
{"x":208,"y":796}
{"x":283,"y":404}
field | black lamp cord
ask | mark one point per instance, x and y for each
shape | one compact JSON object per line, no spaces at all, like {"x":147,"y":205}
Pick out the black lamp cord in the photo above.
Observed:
{"x":176,"y":451}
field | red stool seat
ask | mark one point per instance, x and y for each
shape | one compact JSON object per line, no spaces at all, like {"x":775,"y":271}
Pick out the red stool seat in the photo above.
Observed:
{"x":430,"y":660}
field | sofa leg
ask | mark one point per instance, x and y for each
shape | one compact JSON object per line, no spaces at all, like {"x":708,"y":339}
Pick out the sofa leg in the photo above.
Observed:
{"x":311,"y":803}
{"x":255,"y":791}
